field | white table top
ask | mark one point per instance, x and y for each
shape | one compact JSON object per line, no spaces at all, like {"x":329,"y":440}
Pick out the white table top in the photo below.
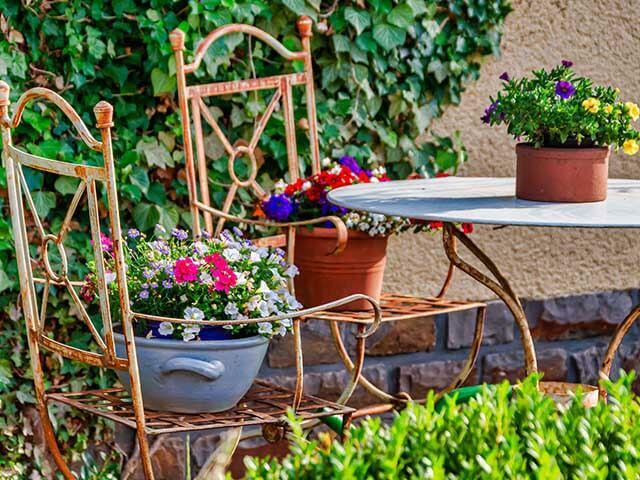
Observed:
{"x":490,"y":201}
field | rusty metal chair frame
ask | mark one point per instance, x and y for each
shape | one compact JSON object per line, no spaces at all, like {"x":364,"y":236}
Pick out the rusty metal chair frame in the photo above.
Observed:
{"x":264,"y":405}
{"x":395,"y":307}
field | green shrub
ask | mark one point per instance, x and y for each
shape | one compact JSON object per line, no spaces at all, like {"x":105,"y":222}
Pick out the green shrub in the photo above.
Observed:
{"x":383,"y":72}
{"x":492,"y":436}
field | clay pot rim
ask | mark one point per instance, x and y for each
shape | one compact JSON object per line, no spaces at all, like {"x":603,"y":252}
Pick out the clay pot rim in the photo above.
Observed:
{"x":529,"y":146}
{"x":325,"y":232}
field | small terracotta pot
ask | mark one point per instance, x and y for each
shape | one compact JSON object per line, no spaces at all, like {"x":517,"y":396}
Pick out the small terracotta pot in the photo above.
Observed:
{"x":572,"y":175}
{"x":324,"y":277}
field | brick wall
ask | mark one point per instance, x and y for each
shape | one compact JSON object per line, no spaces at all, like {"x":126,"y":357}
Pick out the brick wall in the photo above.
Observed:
{"x":570,"y":333}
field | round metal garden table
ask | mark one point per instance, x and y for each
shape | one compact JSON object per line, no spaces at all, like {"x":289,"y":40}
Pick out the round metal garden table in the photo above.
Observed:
{"x":492,"y":201}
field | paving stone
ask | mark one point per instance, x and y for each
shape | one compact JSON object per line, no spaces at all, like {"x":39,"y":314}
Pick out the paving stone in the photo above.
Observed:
{"x":510,"y":366}
{"x":498,"y":327}
{"x":329,"y":385}
{"x":419,"y":378}
{"x":317,"y":346}
{"x":404,"y":336}
{"x":580,"y":316}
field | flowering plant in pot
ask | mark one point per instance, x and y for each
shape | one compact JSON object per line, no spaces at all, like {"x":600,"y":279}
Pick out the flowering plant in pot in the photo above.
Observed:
{"x":359,"y":268}
{"x":568,"y":125}
{"x":187,"y":367}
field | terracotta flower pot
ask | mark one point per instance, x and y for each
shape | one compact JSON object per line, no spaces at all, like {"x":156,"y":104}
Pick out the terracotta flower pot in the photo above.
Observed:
{"x":572,"y":175}
{"x":324,"y":277}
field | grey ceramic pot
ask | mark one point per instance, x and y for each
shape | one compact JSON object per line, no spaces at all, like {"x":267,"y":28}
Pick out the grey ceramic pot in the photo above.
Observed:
{"x":197,"y":376}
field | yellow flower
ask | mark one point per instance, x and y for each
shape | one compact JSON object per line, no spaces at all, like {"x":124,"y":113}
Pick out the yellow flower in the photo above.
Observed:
{"x":630,"y":147}
{"x":608,"y":109}
{"x":591,"y":104}
{"x":632,"y":110}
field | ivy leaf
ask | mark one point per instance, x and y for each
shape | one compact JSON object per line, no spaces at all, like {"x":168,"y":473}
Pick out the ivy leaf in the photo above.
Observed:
{"x":168,"y":217}
{"x":418,"y":6}
{"x":140,"y":179}
{"x":44,"y":202}
{"x":438,"y":69}
{"x":146,"y":216}
{"x":388,"y":36}
{"x":6,"y":374}
{"x":66,"y":185}
{"x":341,"y":43}
{"x":401,"y":16}
{"x":360,"y":19}
{"x":161,"y":82}
{"x":300,"y":7}
{"x":155,"y":153}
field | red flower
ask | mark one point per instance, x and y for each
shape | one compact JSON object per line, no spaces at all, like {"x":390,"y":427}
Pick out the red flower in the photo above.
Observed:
{"x":362,"y":176}
{"x":442,"y":174}
{"x":467,"y":227}
{"x":313,"y":193}
{"x":293,"y":187}
{"x":435,"y":225}
{"x":186,"y":270}
{"x":217,"y":261}
{"x":225,"y":280}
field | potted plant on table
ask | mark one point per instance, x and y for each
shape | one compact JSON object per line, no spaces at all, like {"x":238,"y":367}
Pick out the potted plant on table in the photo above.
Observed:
{"x":187,"y":367}
{"x":568,"y":125}
{"x":359,"y":268}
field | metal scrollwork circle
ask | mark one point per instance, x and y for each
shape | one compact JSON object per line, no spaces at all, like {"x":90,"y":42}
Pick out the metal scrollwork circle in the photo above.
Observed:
{"x":239,"y":151}
{"x":64,"y":269}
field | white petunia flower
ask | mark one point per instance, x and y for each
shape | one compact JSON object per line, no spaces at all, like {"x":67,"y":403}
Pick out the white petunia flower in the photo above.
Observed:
{"x":263,"y":252}
{"x":241,"y":278}
{"x":265,"y":327}
{"x":110,"y":277}
{"x":165,"y":329}
{"x":282,"y":331}
{"x":305,"y":186}
{"x":279,"y":186}
{"x":374,"y":180}
{"x":254,"y":257}
{"x":326,"y":161}
{"x":292,"y":271}
{"x":231,"y":254}
{"x":232,"y":310}
{"x":286,"y":322}
{"x":263,"y":308}
{"x":193,"y":313}
{"x":263,"y":288}
{"x":200,"y":248}
{"x":205,"y":278}
{"x":292,"y":302}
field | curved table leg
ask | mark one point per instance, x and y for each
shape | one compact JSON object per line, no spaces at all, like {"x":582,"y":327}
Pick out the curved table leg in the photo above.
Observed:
{"x":499,"y":285}
{"x":402,"y":397}
{"x":614,"y":344}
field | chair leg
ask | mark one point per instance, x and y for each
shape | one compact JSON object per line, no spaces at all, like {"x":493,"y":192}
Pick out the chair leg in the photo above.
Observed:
{"x":47,"y":427}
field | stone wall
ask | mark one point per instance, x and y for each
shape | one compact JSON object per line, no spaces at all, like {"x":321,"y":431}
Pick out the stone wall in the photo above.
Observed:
{"x":570,"y":334}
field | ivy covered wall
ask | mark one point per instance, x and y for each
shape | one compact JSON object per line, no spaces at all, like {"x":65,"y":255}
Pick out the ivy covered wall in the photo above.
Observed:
{"x":384,"y":70}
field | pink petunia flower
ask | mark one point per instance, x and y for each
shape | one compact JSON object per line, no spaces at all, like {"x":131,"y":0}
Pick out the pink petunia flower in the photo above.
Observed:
{"x":186,"y":270}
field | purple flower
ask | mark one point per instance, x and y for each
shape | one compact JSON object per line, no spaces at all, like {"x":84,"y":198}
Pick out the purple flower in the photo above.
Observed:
{"x":179,"y":234}
{"x":567,"y":63}
{"x":565,"y":89}
{"x":351,"y":164}
{"x":504,"y":76}
{"x":167,"y":284}
{"x":144,"y":294}
{"x":237,"y":232}
{"x":133,"y":233}
{"x":278,"y":207}
{"x":486,"y":118}
{"x":149,"y":273}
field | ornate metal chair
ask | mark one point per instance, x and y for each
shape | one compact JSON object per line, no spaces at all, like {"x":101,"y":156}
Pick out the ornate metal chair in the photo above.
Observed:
{"x":192,"y":107}
{"x":41,"y":278}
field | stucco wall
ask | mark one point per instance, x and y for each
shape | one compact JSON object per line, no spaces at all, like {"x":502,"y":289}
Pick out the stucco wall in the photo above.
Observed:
{"x":602,"y":38}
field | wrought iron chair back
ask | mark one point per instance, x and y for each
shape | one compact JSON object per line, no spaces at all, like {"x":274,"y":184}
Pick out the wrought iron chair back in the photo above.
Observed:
{"x":36,"y":274}
{"x":191,"y":98}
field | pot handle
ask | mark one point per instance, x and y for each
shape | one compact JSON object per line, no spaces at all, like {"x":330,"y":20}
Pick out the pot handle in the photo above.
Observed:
{"x":209,"y":370}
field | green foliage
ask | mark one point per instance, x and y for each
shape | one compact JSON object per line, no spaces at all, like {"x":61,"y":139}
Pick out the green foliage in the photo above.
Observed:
{"x":557,"y":107}
{"x":383,"y":73}
{"x":495,"y":435}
